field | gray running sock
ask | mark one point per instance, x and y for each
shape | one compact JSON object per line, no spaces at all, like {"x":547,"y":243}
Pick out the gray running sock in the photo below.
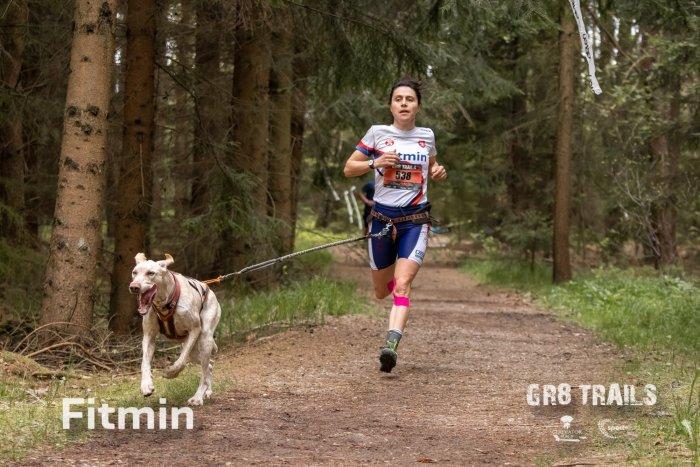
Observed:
{"x":394,"y":335}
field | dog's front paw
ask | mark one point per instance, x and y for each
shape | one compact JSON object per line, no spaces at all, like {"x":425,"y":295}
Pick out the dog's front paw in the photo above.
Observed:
{"x":147,"y":389}
{"x":196,"y":400}
{"x":172,"y":371}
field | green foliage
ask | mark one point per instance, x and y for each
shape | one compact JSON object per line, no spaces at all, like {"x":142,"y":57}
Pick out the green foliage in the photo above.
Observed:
{"x":528,"y":232}
{"x":27,"y":422}
{"x":300,"y":302}
{"x":309,"y":237}
{"x":687,"y":416}
{"x":21,"y":273}
{"x":636,"y":308}
{"x":12,"y":224}
{"x":631,"y":308}
{"x":510,"y":273}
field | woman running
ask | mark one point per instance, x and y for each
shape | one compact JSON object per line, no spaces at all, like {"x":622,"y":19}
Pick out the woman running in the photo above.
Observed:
{"x":402,"y":157}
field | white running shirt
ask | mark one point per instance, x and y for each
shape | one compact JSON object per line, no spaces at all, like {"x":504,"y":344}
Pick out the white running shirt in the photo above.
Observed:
{"x":405,"y":184}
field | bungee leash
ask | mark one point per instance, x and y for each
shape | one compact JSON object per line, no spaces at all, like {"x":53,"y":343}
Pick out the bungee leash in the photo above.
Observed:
{"x":384,"y":232}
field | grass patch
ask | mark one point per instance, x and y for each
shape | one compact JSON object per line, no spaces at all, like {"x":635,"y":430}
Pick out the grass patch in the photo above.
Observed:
{"x":636,"y":308}
{"x":299,"y":302}
{"x":31,"y":409}
{"x":306,"y":295}
{"x":653,"y":318}
{"x":309,"y":237}
{"x":633,"y":308}
{"x":510,"y":274}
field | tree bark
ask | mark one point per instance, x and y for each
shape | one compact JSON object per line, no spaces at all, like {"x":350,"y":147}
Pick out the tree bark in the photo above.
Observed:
{"x":209,"y":127}
{"x":251,"y":108}
{"x":280,"y":158}
{"x":182,"y":161}
{"x":13,"y":27}
{"x":297,"y":132}
{"x":209,"y":138}
{"x":563,"y":149}
{"x":666,"y":154}
{"x":133,"y":205}
{"x":70,"y":279}
{"x":519,"y":188}
{"x":249,"y":132}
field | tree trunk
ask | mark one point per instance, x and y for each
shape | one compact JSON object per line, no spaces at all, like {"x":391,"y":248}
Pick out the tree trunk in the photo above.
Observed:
{"x":280,"y":159}
{"x":298,"y":112}
{"x":563,"y":149}
{"x":251,"y":108}
{"x":70,"y":280}
{"x":208,"y":130}
{"x":250,"y":131}
{"x":209,"y":137}
{"x":182,"y":162}
{"x":13,"y":27}
{"x":162,"y":135}
{"x":133,"y":207}
{"x":666,"y":153}
{"x":521,"y":195}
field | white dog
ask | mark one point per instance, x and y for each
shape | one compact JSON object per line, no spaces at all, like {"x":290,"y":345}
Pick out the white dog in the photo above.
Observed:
{"x":181,"y":308}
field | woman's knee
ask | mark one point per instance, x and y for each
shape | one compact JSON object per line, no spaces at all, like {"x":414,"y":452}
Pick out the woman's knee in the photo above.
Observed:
{"x":403,"y":287}
{"x":381,"y":292}
{"x":382,"y":288}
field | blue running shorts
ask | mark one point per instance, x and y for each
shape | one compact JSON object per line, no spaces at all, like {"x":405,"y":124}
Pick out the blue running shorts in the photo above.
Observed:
{"x":408,"y":240}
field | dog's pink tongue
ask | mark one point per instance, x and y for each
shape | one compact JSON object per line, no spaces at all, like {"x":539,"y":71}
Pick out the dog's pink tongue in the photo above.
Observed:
{"x":146,"y":300}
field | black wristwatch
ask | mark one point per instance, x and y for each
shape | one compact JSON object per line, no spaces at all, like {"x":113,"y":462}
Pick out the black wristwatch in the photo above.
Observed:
{"x":371,"y":163}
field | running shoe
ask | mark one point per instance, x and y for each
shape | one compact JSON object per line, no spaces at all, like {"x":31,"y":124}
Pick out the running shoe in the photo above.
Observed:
{"x":388,"y":356}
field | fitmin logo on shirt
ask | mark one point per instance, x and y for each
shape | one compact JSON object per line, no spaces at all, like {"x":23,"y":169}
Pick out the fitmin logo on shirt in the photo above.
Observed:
{"x":389,"y":142}
{"x":421,"y":143}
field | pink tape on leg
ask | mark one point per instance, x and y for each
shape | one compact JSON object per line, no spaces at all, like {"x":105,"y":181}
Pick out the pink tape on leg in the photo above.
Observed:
{"x":391,"y":285}
{"x":401,"y":301}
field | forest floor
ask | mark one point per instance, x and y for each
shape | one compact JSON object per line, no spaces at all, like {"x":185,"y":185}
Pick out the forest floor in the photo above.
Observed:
{"x":314,"y":395}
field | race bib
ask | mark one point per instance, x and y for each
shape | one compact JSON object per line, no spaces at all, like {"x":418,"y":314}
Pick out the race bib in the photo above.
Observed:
{"x":404,"y":176}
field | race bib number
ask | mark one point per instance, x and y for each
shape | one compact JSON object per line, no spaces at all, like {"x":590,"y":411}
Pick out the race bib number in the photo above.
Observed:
{"x":404,"y":176}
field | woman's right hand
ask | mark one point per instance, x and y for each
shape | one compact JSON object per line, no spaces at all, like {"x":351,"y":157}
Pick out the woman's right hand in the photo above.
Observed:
{"x":388,"y":159}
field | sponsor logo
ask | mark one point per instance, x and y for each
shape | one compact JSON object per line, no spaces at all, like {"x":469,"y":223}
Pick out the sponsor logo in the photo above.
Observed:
{"x":567,"y":434}
{"x":413,"y":157}
{"x":612,"y":430}
{"x":167,"y":419}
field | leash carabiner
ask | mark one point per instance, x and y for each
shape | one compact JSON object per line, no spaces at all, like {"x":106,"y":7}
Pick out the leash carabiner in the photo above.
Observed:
{"x":384,"y":232}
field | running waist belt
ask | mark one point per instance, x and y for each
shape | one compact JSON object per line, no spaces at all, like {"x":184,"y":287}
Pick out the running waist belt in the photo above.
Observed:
{"x":423,"y":216}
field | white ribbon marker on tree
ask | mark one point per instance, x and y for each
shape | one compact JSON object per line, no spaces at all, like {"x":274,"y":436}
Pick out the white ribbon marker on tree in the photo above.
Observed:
{"x":346,"y":195}
{"x":356,"y":207}
{"x":585,"y":45}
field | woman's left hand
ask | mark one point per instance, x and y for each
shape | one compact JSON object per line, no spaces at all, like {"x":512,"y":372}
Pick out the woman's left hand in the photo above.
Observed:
{"x":438,"y":172}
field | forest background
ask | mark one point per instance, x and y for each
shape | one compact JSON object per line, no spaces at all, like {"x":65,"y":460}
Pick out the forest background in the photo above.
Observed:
{"x":216,"y":130}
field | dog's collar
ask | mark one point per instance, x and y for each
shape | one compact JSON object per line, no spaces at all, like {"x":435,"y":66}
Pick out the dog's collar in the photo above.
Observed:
{"x":165,"y":314}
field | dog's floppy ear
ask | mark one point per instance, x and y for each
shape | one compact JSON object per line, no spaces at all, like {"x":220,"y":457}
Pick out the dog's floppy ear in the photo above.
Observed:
{"x":140,"y":258}
{"x":167,"y":261}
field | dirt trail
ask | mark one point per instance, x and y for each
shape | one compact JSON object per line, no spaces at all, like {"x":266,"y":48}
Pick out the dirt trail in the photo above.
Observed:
{"x":315,"y":395}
